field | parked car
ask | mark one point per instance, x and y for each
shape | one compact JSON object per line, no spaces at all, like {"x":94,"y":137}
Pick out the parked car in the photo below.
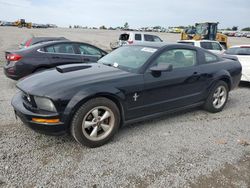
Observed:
{"x":213,"y":46}
{"x":38,"y":57}
{"x":248,"y":35}
{"x":131,"y":84}
{"x":36,"y":40}
{"x":242,"y":52}
{"x":7,"y":23}
{"x":135,"y":38}
{"x":239,"y":34}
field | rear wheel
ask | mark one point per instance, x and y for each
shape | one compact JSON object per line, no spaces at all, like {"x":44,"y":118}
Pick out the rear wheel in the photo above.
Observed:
{"x":95,"y":122}
{"x":217,"y":97}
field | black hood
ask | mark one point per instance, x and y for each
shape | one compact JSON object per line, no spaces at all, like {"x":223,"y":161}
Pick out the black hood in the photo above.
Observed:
{"x":67,"y":78}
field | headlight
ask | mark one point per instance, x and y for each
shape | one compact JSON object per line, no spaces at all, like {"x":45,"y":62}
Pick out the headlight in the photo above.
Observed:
{"x":44,"y":104}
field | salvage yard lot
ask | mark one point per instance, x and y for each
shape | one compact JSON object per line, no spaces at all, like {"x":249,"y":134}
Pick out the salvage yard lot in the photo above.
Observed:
{"x":188,"y":149}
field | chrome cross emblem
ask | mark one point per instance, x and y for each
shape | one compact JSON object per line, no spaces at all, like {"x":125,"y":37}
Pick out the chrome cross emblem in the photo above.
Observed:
{"x":135,"y":96}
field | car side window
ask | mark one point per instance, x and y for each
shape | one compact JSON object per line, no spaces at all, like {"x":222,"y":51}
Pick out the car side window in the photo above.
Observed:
{"x":50,"y":49}
{"x":61,"y":49}
{"x":177,"y":57}
{"x":207,"y":45}
{"x":89,"y":50}
{"x":149,"y":38}
{"x":216,"y":46}
{"x":157,"y":39}
{"x":138,"y":37}
{"x":210,"y":58}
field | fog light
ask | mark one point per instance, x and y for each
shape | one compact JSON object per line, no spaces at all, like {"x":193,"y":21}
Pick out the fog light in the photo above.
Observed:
{"x":42,"y":120}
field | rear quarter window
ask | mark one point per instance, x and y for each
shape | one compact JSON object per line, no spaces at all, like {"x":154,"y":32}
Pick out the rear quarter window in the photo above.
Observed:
{"x":210,"y":58}
{"x":50,"y":49}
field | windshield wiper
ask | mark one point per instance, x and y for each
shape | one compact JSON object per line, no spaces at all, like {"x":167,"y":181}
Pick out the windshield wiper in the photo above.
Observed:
{"x":108,"y":64}
{"x":111,"y":65}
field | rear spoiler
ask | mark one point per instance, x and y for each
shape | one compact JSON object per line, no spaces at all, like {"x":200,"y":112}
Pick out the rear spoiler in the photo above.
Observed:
{"x":234,"y":58}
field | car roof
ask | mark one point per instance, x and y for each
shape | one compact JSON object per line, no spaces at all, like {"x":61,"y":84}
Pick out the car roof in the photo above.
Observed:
{"x":61,"y":41}
{"x":48,"y":38}
{"x":44,"y":44}
{"x":137,"y":32}
{"x":41,"y":39}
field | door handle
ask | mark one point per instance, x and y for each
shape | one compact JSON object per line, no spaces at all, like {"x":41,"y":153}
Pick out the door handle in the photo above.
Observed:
{"x":55,"y":57}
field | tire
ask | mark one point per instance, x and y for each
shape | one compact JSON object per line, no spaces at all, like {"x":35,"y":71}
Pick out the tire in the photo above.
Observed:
{"x":95,"y":122}
{"x":217,"y":97}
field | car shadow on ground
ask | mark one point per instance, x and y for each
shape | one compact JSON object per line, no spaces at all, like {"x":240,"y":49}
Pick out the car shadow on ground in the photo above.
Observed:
{"x":163,"y":118}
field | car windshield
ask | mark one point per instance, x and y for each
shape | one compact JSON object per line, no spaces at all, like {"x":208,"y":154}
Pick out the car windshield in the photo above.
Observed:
{"x":238,"y":51}
{"x":202,"y":29}
{"x":128,"y":58}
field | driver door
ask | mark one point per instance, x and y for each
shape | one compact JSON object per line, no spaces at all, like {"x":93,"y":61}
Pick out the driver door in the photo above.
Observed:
{"x":173,"y":89}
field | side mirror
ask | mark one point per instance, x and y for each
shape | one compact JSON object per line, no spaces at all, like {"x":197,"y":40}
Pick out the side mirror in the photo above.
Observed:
{"x":166,"y":67}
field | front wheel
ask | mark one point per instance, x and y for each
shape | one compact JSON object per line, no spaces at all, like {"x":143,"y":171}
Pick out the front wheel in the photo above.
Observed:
{"x":95,"y":122}
{"x":217,"y":97}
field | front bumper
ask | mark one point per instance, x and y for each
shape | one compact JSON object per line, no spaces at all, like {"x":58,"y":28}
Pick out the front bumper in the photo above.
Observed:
{"x":26,"y":117}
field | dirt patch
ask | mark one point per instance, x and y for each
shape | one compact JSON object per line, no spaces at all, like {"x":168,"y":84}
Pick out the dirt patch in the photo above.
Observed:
{"x":231,"y":175}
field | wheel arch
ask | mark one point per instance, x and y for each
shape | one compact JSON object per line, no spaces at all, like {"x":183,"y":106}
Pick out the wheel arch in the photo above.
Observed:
{"x":227,"y":80}
{"x":223,"y":76}
{"x":78,"y":100}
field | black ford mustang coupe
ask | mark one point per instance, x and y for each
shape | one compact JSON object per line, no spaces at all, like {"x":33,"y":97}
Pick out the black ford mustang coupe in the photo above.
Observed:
{"x":130,"y":84}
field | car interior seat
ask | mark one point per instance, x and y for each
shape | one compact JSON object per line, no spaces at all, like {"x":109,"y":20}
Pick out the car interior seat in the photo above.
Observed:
{"x":70,"y":50}
{"x":179,"y":58}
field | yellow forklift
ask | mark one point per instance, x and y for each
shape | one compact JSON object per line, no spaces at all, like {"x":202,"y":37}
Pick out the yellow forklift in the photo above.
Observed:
{"x":205,"y":31}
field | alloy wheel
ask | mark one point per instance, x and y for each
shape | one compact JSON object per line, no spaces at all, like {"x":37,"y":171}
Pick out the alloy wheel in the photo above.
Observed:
{"x":219,"y":97}
{"x":98,"y":123}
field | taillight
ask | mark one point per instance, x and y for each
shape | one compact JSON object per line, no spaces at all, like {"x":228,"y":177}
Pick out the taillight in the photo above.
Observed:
{"x":13,"y":57}
{"x":130,"y":41}
{"x":28,"y":43}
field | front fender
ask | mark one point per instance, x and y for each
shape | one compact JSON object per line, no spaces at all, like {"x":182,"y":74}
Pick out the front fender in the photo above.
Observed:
{"x":84,"y":95}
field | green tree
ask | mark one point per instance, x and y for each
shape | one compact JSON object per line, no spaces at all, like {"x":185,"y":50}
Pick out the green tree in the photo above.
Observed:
{"x":246,"y":29}
{"x":103,"y":27}
{"x":126,"y":26}
{"x":235,"y":28}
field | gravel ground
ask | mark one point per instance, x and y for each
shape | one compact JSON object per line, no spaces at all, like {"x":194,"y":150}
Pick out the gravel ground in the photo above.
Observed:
{"x":187,"y":149}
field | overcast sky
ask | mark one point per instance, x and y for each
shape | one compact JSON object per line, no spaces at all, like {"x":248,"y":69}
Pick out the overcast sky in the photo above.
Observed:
{"x":137,"y":13}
